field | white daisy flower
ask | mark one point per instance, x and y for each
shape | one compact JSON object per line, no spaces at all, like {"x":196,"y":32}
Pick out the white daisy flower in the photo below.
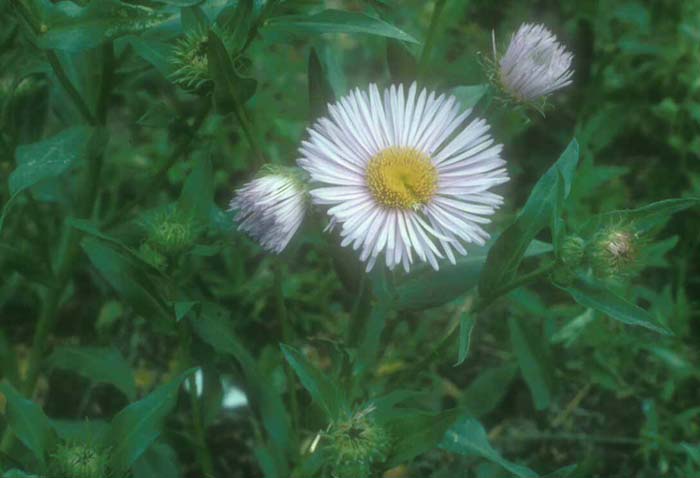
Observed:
{"x":535,"y":64}
{"x":271,"y":208}
{"x":402,"y":174}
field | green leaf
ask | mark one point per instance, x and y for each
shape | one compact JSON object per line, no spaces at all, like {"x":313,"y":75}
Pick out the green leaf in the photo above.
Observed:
{"x":598,"y":296}
{"x":74,"y":28}
{"x":231,"y":90}
{"x":508,"y":251}
{"x":320,"y":90}
{"x":28,"y":422}
{"x":428,"y":288}
{"x":487,"y":390}
{"x":103,"y":365}
{"x":469,"y":438}
{"x":236,"y":22}
{"x":159,"y":461}
{"x":18,"y":474}
{"x":469,"y":96}
{"x":417,"y":432}
{"x":337,"y":21}
{"x":136,"y":427}
{"x":46,"y":159}
{"x":197,"y":195}
{"x":643,"y":218}
{"x":85,"y":431}
{"x":193,"y":19}
{"x":466,"y":325}
{"x":156,"y":53}
{"x":323,"y":390}
{"x":214,"y":327}
{"x":128,"y":277}
{"x":530,"y":350}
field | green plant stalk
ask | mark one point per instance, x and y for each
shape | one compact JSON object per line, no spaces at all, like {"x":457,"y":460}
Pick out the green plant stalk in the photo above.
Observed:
{"x":480,"y":305}
{"x":203,"y":455}
{"x":248,"y":131}
{"x":69,"y":247}
{"x":430,"y":38}
{"x":287,"y":338}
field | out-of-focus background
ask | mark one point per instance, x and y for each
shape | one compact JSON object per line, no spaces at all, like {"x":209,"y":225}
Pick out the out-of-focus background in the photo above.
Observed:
{"x":617,"y":401}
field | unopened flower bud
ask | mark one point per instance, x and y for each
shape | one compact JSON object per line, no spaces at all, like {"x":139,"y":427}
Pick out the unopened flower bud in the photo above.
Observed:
{"x":191,"y":61}
{"x":171,"y":231}
{"x":356,"y":443}
{"x":534,"y":65}
{"x":80,"y":461}
{"x":614,"y":252}
{"x":573,"y":250}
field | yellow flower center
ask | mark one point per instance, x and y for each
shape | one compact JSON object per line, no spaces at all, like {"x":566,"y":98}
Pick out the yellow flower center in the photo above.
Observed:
{"x":401,"y":177}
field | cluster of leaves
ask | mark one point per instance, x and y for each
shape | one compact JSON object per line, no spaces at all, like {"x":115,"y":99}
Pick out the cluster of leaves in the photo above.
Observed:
{"x":123,"y":278}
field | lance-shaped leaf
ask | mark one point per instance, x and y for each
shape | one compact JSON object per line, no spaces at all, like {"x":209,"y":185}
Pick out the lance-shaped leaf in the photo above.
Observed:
{"x":598,"y":296}
{"x":417,"y":432}
{"x":28,"y":422}
{"x":231,"y":90}
{"x":337,"y":21}
{"x":129,"y":278}
{"x":428,"y":288}
{"x":74,"y":28}
{"x":103,"y":365}
{"x":320,"y":89}
{"x":136,"y":427}
{"x":531,"y":350}
{"x":643,"y":218}
{"x":469,"y":438}
{"x":47,"y":159}
{"x":507,"y":253}
{"x":214,"y":328}
{"x":323,"y":391}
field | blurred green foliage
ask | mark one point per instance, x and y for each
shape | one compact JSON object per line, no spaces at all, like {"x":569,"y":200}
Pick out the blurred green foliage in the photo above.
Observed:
{"x":121,"y":269}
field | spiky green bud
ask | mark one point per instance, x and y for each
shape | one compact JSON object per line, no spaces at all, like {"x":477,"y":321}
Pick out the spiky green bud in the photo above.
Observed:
{"x":80,"y":461}
{"x":170,"y":231}
{"x":573,"y":250}
{"x":356,"y":443}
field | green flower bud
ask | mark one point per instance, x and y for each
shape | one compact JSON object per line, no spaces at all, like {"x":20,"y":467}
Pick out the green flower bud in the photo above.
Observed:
{"x":573,"y":250}
{"x":614,"y":252}
{"x":80,"y":461}
{"x":356,"y":443}
{"x":169,"y":232}
{"x":190,"y":59}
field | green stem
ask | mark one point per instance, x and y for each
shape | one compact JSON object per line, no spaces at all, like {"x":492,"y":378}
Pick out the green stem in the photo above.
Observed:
{"x":70,"y":89}
{"x":479,"y":306}
{"x":203,"y":456}
{"x":287,"y":338}
{"x":248,"y":130}
{"x":430,"y":38}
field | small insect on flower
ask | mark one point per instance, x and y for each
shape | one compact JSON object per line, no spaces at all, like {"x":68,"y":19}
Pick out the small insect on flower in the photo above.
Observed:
{"x":402,"y":172}
{"x":535,"y":64}
{"x":272,"y":207}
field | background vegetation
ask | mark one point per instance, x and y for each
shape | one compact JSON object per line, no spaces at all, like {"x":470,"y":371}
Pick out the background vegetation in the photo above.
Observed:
{"x":121,"y":269}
